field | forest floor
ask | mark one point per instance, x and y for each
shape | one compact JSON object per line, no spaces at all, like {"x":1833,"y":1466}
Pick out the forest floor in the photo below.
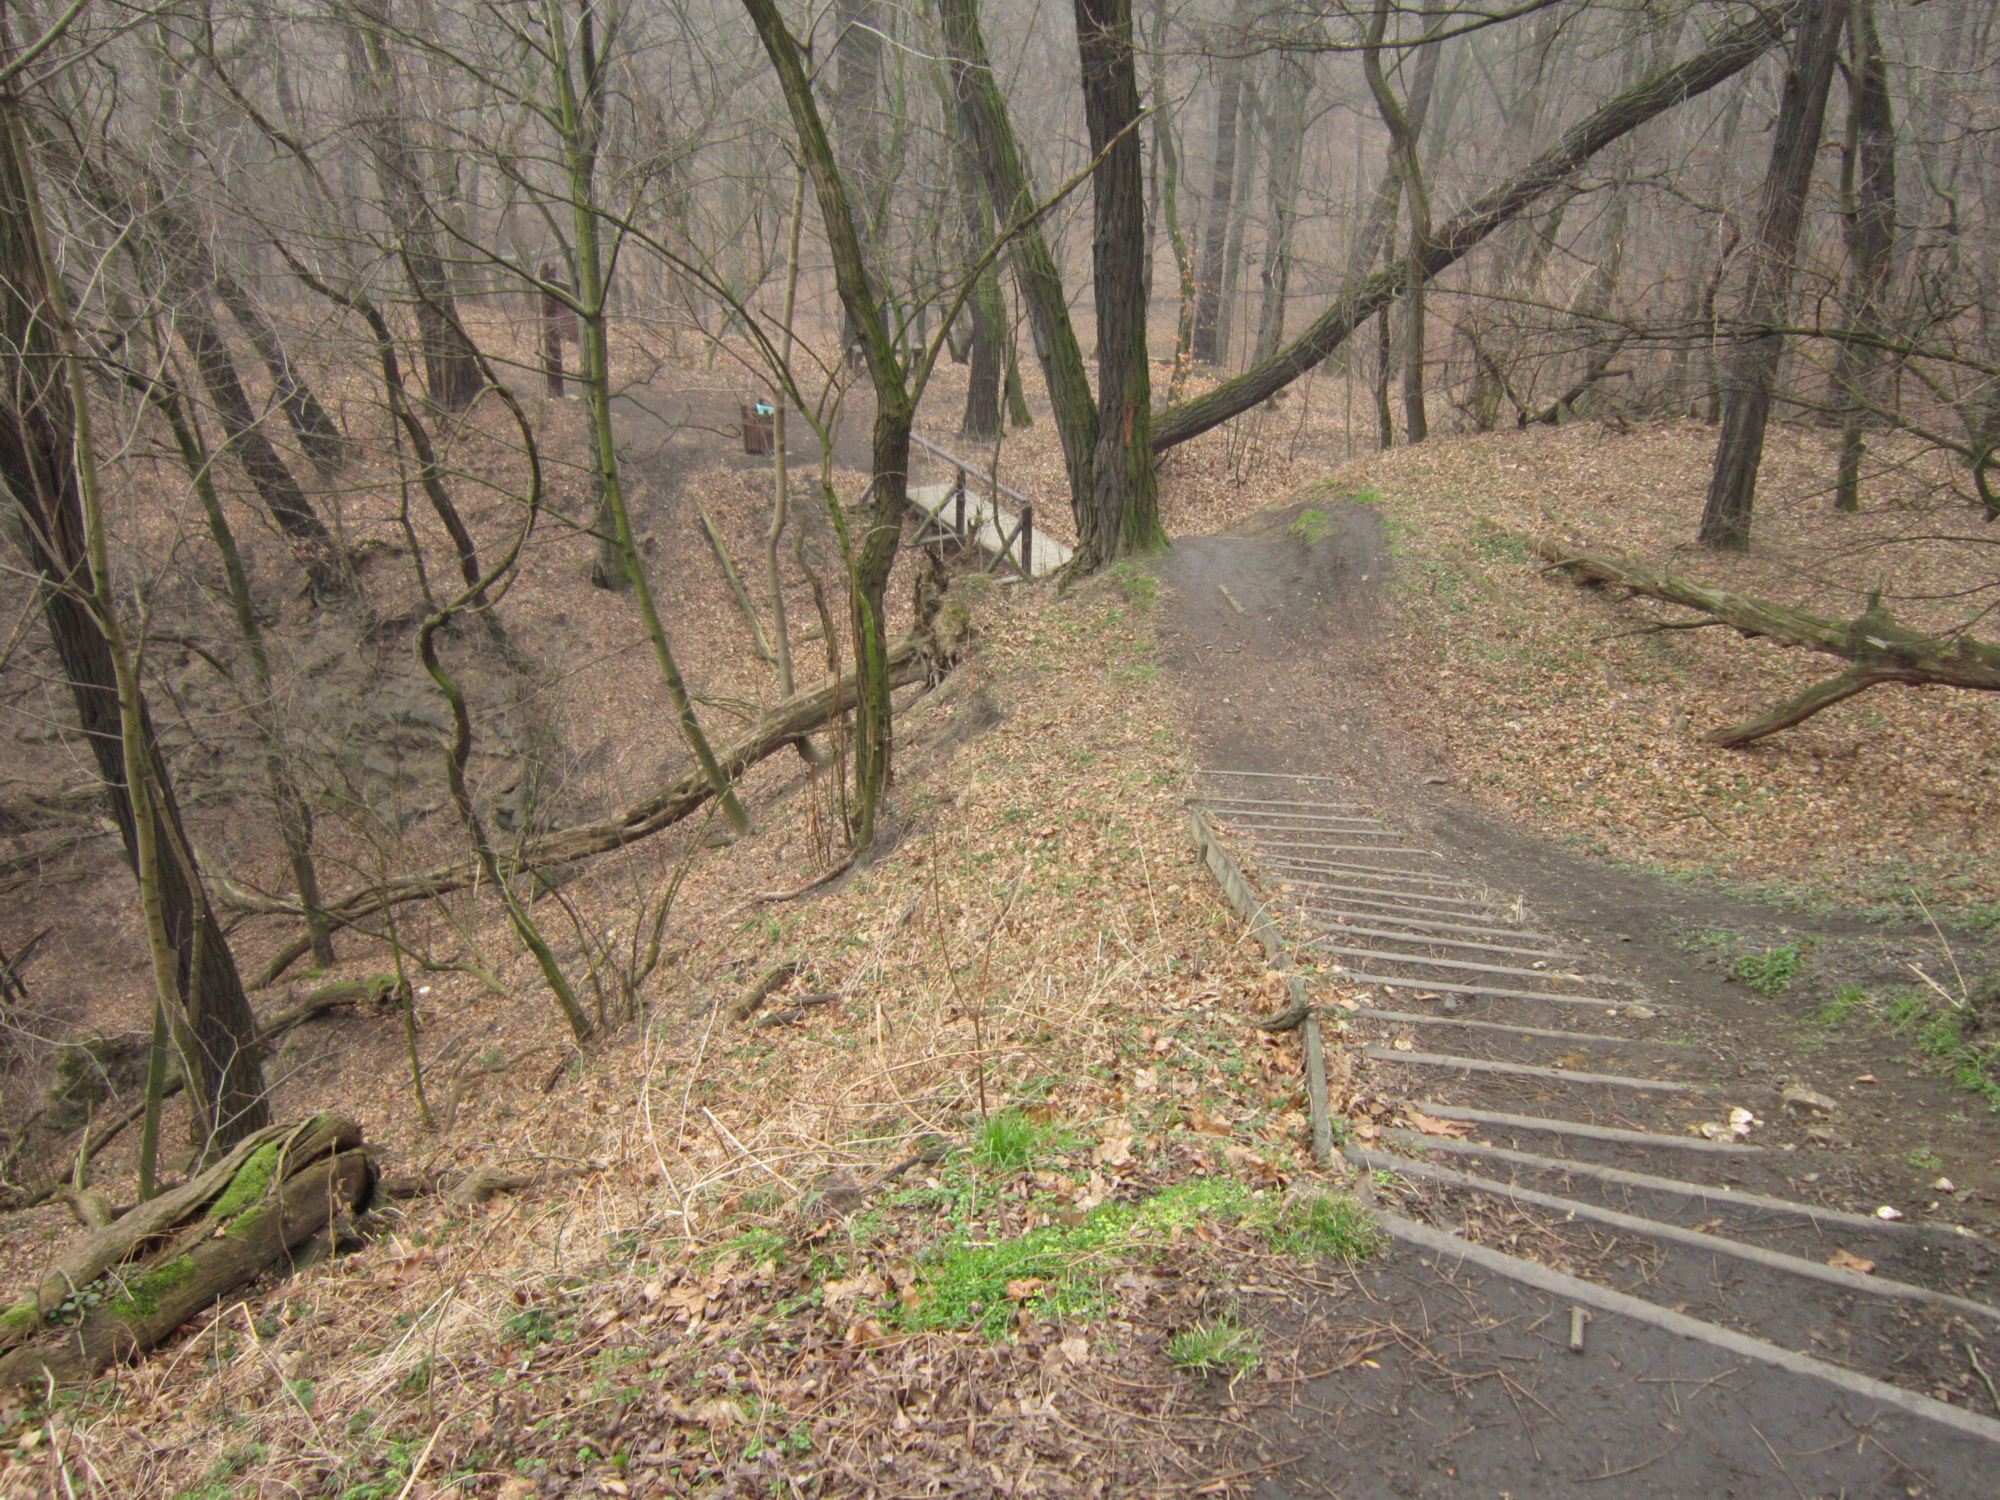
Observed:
{"x":1027,"y":1208}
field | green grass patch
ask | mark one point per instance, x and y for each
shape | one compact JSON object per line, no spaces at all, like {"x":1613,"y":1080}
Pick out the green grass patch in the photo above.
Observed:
{"x":1220,"y":1347}
{"x":1846,"y":1000}
{"x":1008,"y":1141}
{"x":1065,"y":1270}
{"x":1324,"y":1226}
{"x":1311,"y":525}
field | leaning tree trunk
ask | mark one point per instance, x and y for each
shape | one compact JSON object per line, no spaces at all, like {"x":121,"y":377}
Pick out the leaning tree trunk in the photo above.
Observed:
{"x":1874,"y":647}
{"x":1123,"y":515}
{"x":1752,"y":366}
{"x":315,"y":428}
{"x":38,"y":465}
{"x":1868,"y":200}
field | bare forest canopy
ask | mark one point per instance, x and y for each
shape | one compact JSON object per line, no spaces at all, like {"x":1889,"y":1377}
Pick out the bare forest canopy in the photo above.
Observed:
{"x":339,"y":338}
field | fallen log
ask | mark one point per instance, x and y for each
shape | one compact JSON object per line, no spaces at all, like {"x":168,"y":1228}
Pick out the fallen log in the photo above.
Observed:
{"x":133,"y":1282}
{"x":1876,"y":649}
{"x":911,"y":659}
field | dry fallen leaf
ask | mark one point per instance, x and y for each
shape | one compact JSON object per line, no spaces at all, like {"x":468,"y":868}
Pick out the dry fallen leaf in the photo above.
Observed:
{"x":1431,"y":1125}
{"x":1847,"y":1260}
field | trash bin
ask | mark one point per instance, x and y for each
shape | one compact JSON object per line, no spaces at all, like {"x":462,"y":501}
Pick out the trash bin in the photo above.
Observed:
{"x":760,"y":427}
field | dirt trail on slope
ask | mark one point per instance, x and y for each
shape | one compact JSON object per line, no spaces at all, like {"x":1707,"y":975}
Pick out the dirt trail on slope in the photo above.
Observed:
{"x":1271,"y":638}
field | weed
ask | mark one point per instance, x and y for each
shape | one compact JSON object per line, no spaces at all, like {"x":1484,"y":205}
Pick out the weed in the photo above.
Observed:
{"x":1845,"y":1002}
{"x":1311,"y":525}
{"x":758,"y":1247}
{"x":1221,"y":1346}
{"x":531,"y":1327}
{"x":1498,"y":546}
{"x":1769,"y":972}
{"x":1925,"y":1160}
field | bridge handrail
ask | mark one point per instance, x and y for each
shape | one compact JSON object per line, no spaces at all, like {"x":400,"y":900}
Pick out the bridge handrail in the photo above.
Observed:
{"x":971,"y":469}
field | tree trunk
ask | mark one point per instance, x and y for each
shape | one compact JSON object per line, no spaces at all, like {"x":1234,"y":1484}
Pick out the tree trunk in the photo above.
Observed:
{"x":1868,"y":200}
{"x":1875,"y":648}
{"x":1170,"y":204}
{"x":857,"y":102}
{"x":983,"y":114}
{"x":1247,"y":113}
{"x":1357,"y":302}
{"x":1123,"y":515}
{"x":315,"y":429}
{"x":1221,"y":194}
{"x":870,"y":563}
{"x":1752,"y":366}
{"x":1286,"y":151}
{"x":38,"y":463}
{"x":1410,"y":178}
{"x":451,"y":366}
{"x":985,"y":306}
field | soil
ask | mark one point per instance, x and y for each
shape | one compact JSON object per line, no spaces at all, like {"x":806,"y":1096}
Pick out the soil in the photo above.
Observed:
{"x":1272,"y":634}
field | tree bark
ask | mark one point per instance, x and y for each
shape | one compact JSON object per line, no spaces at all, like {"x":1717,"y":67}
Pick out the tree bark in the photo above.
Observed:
{"x":1868,"y":182}
{"x":39,"y":467}
{"x":1123,"y":515}
{"x":983,"y":112}
{"x":1285,"y":151}
{"x":1357,"y":302}
{"x":1752,"y":366}
{"x":451,"y":366}
{"x":1221,"y":192}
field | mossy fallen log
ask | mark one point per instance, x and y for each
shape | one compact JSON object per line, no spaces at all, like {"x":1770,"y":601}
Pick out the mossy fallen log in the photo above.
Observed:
{"x":132,"y":1283}
{"x":1876,"y":649}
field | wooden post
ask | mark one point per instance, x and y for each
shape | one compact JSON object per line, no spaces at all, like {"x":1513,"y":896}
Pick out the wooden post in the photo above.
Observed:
{"x":1027,"y":541}
{"x":958,"y":493}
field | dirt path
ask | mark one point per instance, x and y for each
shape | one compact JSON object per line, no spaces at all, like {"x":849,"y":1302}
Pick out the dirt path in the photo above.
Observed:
{"x":1270,"y":634}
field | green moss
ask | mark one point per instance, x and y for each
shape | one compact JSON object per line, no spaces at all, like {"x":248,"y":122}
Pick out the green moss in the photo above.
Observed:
{"x":246,"y":1223}
{"x":251,"y":1182}
{"x":19,"y":1318}
{"x":140,"y":1295}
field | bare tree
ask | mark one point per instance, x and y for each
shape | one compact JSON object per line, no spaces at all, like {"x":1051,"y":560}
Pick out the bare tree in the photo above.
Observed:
{"x":1752,"y":366}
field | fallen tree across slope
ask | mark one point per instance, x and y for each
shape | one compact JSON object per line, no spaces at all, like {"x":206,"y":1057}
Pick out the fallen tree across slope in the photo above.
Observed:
{"x":1876,"y":649}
